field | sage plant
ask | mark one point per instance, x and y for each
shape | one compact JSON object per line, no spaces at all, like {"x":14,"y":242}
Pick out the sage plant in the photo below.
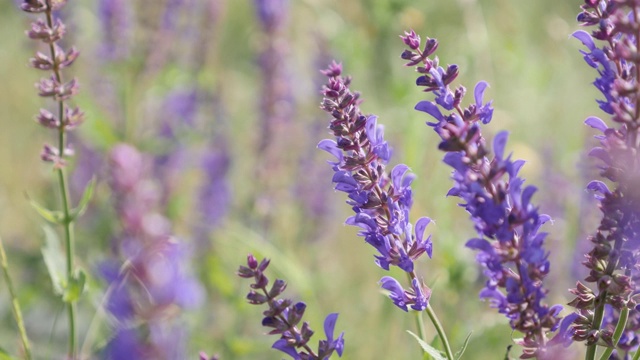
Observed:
{"x":613,"y":260}
{"x":276,"y":103}
{"x":381,"y":200}
{"x":284,"y":317}
{"x":148,"y":279}
{"x":509,"y":244}
{"x":49,"y":30}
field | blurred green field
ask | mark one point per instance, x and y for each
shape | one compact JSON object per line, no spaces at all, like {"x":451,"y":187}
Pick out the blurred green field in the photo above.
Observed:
{"x":541,"y":92}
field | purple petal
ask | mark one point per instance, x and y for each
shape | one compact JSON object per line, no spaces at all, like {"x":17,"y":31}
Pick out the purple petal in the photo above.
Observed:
{"x":598,"y":186}
{"x":283,"y":346}
{"x":370,"y":129}
{"x":596,"y":123}
{"x":421,"y":225}
{"x":585,"y":38}
{"x":331,"y":147}
{"x":499,"y":142}
{"x":478,"y":92}
{"x":397,"y":173}
{"x":329,"y":325}
{"x":430,"y":108}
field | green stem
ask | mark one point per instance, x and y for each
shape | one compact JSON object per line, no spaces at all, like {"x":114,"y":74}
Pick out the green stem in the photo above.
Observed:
{"x":440,"y":331}
{"x":68,"y":232}
{"x":68,"y":221}
{"x":420,"y":325}
{"x":636,"y":356}
{"x":597,"y":321}
{"x":17,"y":314}
{"x":617,"y":333}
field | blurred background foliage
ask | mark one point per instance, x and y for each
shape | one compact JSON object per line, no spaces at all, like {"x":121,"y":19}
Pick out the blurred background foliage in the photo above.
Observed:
{"x":541,"y":91}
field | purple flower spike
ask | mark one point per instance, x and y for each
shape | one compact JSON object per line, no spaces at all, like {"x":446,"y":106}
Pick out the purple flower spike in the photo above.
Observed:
{"x":509,"y":246}
{"x":150,"y":281}
{"x":284,"y":317}
{"x":381,"y":200}
{"x":614,"y":260}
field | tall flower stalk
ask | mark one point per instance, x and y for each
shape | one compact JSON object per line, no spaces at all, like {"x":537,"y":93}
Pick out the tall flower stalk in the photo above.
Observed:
{"x":50,"y":30}
{"x":381,"y":200}
{"x":509,"y":245}
{"x":613,"y":260}
{"x":276,"y":105}
{"x":150,"y":283}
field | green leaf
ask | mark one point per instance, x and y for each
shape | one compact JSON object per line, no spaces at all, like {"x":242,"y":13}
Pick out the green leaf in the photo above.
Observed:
{"x":75,"y":288}
{"x":460,"y":352}
{"x":54,"y":259}
{"x":84,"y":201}
{"x":52,"y":216}
{"x":433,"y":352}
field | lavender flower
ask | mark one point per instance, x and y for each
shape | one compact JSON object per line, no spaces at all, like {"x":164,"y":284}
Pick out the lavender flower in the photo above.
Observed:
{"x":151,"y":280}
{"x":115,"y":20}
{"x":50,"y":31}
{"x":613,"y":261}
{"x":509,"y":246}
{"x":276,"y":101}
{"x":381,"y":200}
{"x":214,"y":196}
{"x":283,"y":316}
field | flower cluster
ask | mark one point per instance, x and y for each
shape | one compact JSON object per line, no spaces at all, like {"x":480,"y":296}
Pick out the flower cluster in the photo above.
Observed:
{"x":509,"y":244}
{"x":381,"y":201}
{"x":283,"y":316}
{"x":50,"y":31}
{"x":150,"y":283}
{"x":613,"y":260}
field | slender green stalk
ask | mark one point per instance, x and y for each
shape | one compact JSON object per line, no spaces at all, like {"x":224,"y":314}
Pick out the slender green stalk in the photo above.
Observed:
{"x":17,"y":313}
{"x":636,"y":356}
{"x":597,"y":321}
{"x":440,"y":331}
{"x":617,"y":333}
{"x":68,"y":232}
{"x":68,"y":221}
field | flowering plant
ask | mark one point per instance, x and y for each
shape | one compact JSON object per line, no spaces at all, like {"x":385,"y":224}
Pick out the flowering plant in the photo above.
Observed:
{"x":195,"y":146}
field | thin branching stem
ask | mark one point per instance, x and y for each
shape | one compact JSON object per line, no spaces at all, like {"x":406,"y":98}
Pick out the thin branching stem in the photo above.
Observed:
{"x":15,"y":305}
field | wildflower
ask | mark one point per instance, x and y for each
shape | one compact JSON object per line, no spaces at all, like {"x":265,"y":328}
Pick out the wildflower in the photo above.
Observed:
{"x":150,"y":281}
{"x":612,"y":262}
{"x":381,"y":200}
{"x":283,"y":316}
{"x":509,"y":244}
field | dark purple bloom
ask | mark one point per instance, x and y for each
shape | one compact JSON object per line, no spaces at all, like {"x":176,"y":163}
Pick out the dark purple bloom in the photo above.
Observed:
{"x":283,"y":316}
{"x":509,"y":245}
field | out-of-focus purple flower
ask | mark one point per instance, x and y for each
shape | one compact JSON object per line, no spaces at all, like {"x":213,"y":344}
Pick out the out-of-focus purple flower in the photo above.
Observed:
{"x":313,"y":192}
{"x":277,"y":105}
{"x":381,"y":201}
{"x":115,"y":20}
{"x":214,"y":196}
{"x":284,"y":317}
{"x":51,"y":33}
{"x":272,"y":13}
{"x":509,"y":246}
{"x":177,"y":116}
{"x":150,"y":279}
{"x":613,"y":261}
